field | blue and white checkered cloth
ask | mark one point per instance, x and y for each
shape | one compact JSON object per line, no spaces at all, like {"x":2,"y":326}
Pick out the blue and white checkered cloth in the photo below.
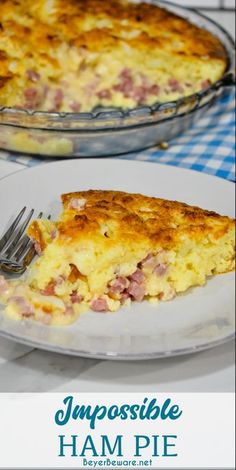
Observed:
{"x":207,"y":147}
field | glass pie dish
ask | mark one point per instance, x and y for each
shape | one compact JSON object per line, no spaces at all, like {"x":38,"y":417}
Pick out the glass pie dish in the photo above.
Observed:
{"x":113,"y":131}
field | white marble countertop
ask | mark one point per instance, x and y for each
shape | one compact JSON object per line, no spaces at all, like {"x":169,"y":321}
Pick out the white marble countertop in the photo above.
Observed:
{"x":25,"y":370}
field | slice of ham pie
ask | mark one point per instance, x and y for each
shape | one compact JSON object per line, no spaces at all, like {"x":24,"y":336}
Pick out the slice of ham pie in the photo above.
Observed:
{"x":109,"y":249}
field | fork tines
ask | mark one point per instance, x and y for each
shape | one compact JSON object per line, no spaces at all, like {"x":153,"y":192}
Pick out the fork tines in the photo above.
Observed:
{"x":16,"y":248}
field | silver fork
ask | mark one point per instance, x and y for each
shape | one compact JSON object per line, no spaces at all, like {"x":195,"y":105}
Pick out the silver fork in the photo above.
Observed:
{"x":16,"y":248}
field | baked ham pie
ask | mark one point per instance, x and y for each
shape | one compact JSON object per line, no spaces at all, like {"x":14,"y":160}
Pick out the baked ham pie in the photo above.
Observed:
{"x":78,"y":55}
{"x":109,"y":249}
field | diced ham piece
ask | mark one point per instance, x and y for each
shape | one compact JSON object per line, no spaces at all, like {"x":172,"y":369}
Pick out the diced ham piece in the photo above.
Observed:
{"x":125,"y":74}
{"x":33,"y":76}
{"x":104,"y":94}
{"x":31,"y":93}
{"x":154,"y":89}
{"x":75,"y":106}
{"x":151,"y":89}
{"x":126,"y":88}
{"x":58,"y":99}
{"x":76,"y":298}
{"x":138,"y":276}
{"x":161,"y":269}
{"x":137,"y":291}
{"x":38,"y":248}
{"x":77,"y":204}
{"x":205,"y":84}
{"x":175,"y":85}
{"x":118,"y":285}
{"x":32,"y":97}
{"x":153,"y":261}
{"x":140,"y":94}
{"x":149,"y":261}
{"x":99,"y":305}
{"x":125,"y":296}
{"x":25,"y":309}
{"x":126,"y":84}
{"x":49,"y":289}
{"x":4,"y":285}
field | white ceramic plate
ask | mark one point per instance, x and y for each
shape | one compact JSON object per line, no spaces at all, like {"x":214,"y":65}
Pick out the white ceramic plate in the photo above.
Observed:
{"x":200,"y":319}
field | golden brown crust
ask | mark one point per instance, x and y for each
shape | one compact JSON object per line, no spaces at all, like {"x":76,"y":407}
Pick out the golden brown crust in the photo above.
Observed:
{"x":130,"y":217}
{"x":159,"y":26}
{"x":35,"y":234}
{"x":43,"y":33}
{"x":153,"y":21}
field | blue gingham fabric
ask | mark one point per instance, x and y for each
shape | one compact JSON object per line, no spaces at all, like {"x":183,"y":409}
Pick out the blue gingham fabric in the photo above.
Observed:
{"x":209,"y":146}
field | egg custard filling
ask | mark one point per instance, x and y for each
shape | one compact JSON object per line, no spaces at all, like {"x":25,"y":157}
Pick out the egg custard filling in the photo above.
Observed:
{"x":93,"y":53}
{"x":109,"y":249}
